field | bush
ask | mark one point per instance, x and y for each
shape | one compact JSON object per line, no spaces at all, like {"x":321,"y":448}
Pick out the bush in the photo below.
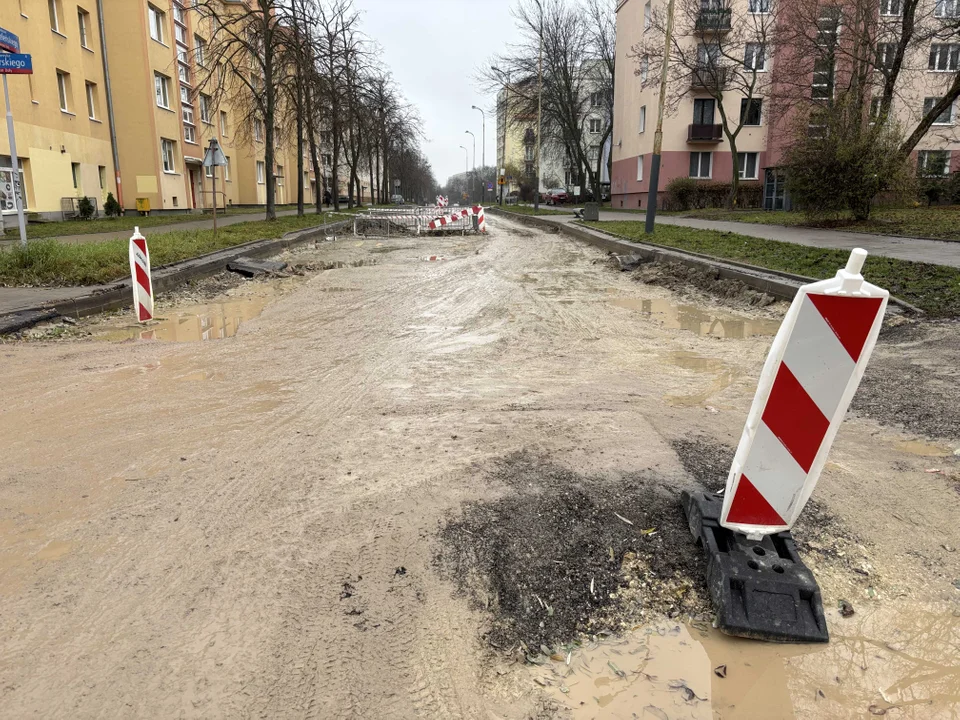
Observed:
{"x":111,"y":207}
{"x":86,"y":208}
{"x":689,"y":194}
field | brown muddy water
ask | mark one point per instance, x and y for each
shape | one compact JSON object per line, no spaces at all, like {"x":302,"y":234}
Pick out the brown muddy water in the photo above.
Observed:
{"x":696,"y":320}
{"x":677,"y":671}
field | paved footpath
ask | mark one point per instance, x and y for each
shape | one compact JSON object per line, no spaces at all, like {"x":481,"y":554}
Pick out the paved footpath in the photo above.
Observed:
{"x":939,"y":252}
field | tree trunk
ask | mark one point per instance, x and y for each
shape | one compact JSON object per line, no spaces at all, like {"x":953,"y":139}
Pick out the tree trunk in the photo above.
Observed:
{"x":269,"y":119}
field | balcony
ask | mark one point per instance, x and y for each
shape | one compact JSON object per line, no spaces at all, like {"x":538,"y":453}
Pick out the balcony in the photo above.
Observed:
{"x":714,"y":20}
{"x":704,"y":133}
{"x":708,"y":77}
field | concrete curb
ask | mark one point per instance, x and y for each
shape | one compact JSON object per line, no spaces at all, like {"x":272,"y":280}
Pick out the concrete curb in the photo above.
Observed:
{"x":116,"y":295}
{"x":773,"y":282}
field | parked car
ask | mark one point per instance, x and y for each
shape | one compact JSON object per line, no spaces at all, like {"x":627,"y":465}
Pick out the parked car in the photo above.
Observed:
{"x":556,"y":196}
{"x":396,"y":199}
{"x":343,"y":199}
{"x":512,"y":199}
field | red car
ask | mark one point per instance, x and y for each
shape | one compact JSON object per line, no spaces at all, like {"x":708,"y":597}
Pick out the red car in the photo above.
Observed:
{"x":557,"y":196}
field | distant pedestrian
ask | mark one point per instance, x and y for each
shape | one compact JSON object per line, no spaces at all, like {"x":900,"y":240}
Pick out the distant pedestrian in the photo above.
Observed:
{"x":327,"y":197}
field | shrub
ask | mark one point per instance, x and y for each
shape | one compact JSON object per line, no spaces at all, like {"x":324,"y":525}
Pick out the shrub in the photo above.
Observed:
{"x":111,"y":207}
{"x":689,"y":194}
{"x":681,"y":192}
{"x":86,"y":208}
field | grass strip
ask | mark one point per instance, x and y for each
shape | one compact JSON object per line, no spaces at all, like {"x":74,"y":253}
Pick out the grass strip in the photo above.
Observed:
{"x":52,"y":263}
{"x":528,"y":210}
{"x":933,"y":288}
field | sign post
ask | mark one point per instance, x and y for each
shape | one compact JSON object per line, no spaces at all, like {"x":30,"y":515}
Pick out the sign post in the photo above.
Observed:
{"x":213,"y":159}
{"x":13,"y":63}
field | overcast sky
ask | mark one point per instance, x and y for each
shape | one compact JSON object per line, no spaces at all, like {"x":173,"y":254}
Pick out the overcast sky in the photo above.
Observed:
{"x":433,"y":48}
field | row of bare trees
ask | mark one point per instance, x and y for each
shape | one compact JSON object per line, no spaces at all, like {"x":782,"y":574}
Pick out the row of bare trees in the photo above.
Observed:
{"x":881,"y":73}
{"x":573,"y":42}
{"x":302,"y":72}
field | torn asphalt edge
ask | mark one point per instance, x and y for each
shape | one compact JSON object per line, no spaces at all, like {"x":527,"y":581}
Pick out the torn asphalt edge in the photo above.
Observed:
{"x":117,"y":294}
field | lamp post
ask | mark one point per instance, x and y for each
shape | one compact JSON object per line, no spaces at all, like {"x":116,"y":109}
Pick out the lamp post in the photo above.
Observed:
{"x":536,"y":195}
{"x":466,"y":163}
{"x":483,"y":152}
{"x":467,"y":132}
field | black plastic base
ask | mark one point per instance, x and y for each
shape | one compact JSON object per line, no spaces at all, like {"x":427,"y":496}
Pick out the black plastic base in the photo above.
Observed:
{"x":760,"y":590}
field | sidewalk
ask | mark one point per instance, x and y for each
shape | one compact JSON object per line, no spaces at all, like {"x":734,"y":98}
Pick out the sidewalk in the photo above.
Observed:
{"x":206,"y":224}
{"x":938,"y":252}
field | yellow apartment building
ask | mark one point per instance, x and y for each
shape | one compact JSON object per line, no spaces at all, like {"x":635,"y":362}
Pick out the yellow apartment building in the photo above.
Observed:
{"x":60,"y":115}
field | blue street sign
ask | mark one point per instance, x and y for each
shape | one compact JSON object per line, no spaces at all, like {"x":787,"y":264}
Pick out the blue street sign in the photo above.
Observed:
{"x":9,"y":42}
{"x":16,"y":65}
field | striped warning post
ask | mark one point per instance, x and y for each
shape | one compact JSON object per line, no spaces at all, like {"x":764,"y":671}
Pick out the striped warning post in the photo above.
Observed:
{"x":807,"y":383}
{"x":140,"y":274}
{"x":441,"y":201}
{"x":459,"y":215}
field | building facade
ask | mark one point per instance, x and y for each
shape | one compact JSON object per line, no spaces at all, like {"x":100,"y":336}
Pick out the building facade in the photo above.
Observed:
{"x":163,"y":119}
{"x":694,"y":145}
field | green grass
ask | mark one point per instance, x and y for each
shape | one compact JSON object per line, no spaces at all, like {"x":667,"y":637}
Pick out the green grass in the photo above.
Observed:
{"x":933,"y":288}
{"x":528,"y":210}
{"x":48,"y":262}
{"x":938,"y":223}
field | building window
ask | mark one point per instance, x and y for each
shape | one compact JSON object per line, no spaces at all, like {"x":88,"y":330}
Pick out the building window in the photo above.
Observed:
{"x":226,"y":169}
{"x":157,"y":19}
{"x":53,"y":6}
{"x":326,"y":159}
{"x":179,"y":15}
{"x":828,"y":25}
{"x":933,"y":163}
{"x":595,"y":126}
{"x":260,"y":172}
{"x":75,"y":171}
{"x":208,"y":171}
{"x":703,"y":111}
{"x":180,"y":33}
{"x":199,"y":50}
{"x":595,"y":99}
{"x":874,"y":109}
{"x":750,"y":111}
{"x":822,"y":79}
{"x":190,"y":134}
{"x":258,"y":129}
{"x":747,"y":165}
{"x":83,"y":22}
{"x":647,"y":16}
{"x":944,"y":58}
{"x":185,"y":95}
{"x":168,"y":154}
{"x":760,"y":7}
{"x":205,"y":115}
{"x":700,"y":164}
{"x":639,"y":168}
{"x":279,"y":175}
{"x":890,"y":7}
{"x":63,"y":87}
{"x":223,"y":123}
{"x":643,"y":118}
{"x":948,"y":8}
{"x":817,"y":124}
{"x":161,"y":84}
{"x":944,"y":118}
{"x":754,"y":57}
{"x":188,"y":115}
{"x":886,"y":52}
{"x":102,"y":172}
{"x":644,"y":68}
{"x":92,"y":102}
{"x":528,"y":153}
{"x":183,"y":72}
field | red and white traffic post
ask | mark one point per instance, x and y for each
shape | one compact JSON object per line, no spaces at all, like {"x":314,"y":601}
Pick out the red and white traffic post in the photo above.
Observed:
{"x":141,"y":279}
{"x":813,"y":370}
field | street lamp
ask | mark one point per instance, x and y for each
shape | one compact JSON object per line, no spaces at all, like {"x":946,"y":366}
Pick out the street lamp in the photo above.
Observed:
{"x":467,"y":132}
{"x":466,"y":164}
{"x":483,"y":152}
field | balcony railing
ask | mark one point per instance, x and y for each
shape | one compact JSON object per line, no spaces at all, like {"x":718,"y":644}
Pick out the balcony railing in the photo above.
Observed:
{"x":714,"y":20}
{"x":704,"y":133}
{"x":709,"y":77}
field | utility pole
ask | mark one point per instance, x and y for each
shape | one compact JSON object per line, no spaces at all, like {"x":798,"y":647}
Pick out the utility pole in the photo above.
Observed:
{"x":467,"y":132}
{"x":483,"y":152}
{"x":466,"y":164}
{"x":536,"y":192}
{"x":658,"y":136}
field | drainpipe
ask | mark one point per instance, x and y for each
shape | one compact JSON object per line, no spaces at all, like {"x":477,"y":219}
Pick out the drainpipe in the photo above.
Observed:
{"x":110,"y":119}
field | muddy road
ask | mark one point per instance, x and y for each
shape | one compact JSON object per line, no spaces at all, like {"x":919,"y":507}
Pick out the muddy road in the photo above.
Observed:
{"x":349,"y":505}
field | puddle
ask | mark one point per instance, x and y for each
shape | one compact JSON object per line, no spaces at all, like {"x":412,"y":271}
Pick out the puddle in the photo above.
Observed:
{"x":214,"y":321}
{"x":54,"y":550}
{"x":901,"y":662}
{"x":923,"y":448}
{"x":724,"y":377}
{"x":695,"y":320}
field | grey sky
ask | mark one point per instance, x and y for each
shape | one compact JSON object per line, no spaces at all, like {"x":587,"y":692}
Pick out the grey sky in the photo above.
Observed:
{"x":433,"y":47}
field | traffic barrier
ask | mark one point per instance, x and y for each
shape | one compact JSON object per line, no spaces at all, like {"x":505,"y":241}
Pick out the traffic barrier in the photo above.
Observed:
{"x":441,"y":201}
{"x":811,"y":374}
{"x":458,"y":216}
{"x":140,"y":274}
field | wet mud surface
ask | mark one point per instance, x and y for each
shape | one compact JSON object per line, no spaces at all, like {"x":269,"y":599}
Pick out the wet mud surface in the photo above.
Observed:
{"x":347,"y":503}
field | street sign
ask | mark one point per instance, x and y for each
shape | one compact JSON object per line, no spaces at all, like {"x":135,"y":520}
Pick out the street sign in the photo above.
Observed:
{"x":490,"y":186}
{"x":501,"y":180}
{"x":214,"y":156}
{"x":16,"y":64}
{"x":9,"y":42}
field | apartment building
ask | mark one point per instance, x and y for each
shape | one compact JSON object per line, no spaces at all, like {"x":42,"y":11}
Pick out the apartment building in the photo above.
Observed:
{"x":693,"y":143}
{"x":517,"y":144}
{"x":63,"y":139}
{"x":163,"y":114}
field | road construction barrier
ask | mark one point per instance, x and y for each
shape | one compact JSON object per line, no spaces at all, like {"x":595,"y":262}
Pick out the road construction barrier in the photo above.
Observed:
{"x":382,"y":222}
{"x":811,"y":374}
{"x":442,"y":202}
{"x":140,"y":274}
{"x":460,"y":216}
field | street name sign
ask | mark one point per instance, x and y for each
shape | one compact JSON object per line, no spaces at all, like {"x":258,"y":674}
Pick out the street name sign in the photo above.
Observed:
{"x":9,"y":42}
{"x":12,"y":64}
